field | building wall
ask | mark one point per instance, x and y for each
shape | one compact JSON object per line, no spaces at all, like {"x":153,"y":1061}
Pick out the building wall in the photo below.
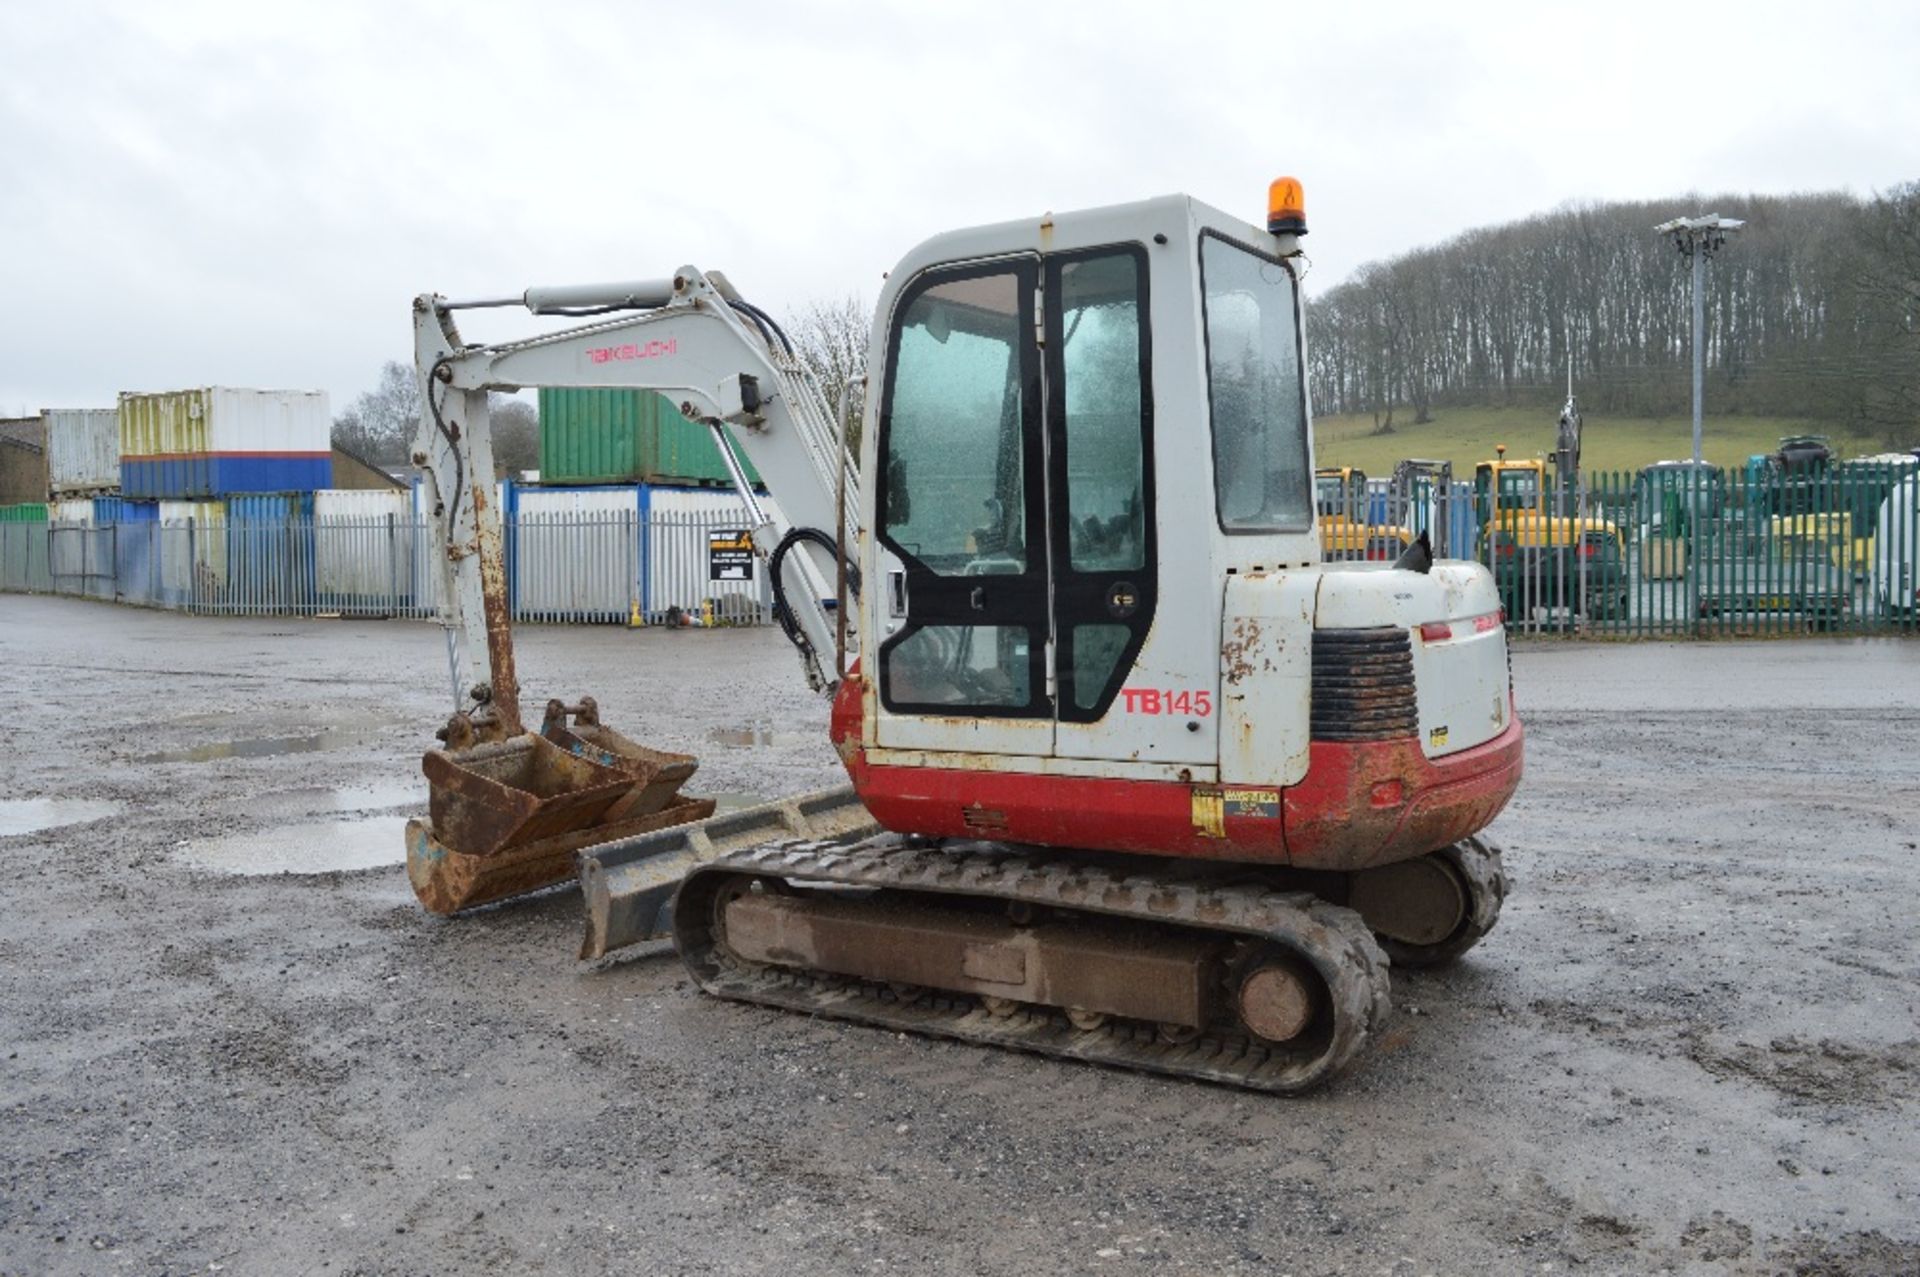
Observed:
{"x":23,"y":460}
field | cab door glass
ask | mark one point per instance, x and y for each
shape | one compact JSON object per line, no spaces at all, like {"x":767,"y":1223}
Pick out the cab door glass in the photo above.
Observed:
{"x":1100,"y":421}
{"x":1101,"y":358}
{"x":955,"y":470}
{"x":958,"y":501}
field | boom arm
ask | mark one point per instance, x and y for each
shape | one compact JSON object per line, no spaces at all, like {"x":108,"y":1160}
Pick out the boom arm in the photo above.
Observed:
{"x":699,"y":344}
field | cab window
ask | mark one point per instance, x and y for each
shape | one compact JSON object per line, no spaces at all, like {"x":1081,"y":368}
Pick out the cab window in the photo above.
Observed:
{"x":1254,"y":390}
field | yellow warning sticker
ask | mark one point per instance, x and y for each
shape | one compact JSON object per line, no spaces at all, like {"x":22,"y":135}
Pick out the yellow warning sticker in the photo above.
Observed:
{"x":1437,"y":737}
{"x":1209,"y":812}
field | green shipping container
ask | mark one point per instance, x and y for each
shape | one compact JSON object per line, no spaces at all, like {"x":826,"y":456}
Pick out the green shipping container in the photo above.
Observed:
{"x":27,"y":512}
{"x":626,"y":436}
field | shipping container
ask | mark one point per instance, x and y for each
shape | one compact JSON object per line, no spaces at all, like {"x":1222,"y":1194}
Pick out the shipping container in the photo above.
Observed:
{"x":574,"y":552}
{"x":362,"y":503}
{"x":193,"y":550}
{"x":363,"y":549}
{"x":220,"y":441}
{"x":77,"y":512}
{"x":107,"y":510}
{"x":681,"y":523}
{"x":135,"y":539}
{"x":25,"y":512}
{"x":179,"y":512}
{"x":626,"y":436}
{"x":83,"y":450}
{"x":270,"y":549}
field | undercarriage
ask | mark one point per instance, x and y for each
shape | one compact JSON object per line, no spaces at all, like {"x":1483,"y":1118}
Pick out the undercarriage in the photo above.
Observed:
{"x":1270,"y":980}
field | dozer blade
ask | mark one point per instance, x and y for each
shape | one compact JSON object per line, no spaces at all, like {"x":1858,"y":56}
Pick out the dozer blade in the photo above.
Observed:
{"x":629,"y":885}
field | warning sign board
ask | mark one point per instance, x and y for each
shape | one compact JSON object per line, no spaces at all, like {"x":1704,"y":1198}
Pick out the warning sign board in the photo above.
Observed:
{"x":730,"y":555}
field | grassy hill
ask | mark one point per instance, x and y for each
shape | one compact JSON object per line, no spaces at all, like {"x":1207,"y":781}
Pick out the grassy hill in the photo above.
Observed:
{"x":1467,"y":435}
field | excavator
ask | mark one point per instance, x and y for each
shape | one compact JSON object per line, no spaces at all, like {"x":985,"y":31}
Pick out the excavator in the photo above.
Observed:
{"x":1134,"y":778}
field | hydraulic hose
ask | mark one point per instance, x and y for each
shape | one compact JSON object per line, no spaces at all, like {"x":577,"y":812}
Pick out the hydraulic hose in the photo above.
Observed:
{"x":782,"y":610}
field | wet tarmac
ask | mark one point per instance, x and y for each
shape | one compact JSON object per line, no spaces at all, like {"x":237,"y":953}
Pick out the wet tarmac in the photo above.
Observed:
{"x":270,"y":747}
{"x":1689,"y":1047}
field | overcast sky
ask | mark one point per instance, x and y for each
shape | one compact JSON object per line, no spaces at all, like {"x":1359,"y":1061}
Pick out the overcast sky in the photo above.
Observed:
{"x":250,"y":194}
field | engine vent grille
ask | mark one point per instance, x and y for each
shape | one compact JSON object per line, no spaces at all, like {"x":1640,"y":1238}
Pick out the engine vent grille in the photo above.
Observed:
{"x":1363,"y":685}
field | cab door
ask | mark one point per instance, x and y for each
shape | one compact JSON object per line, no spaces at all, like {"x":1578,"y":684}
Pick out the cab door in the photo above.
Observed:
{"x":1101,"y":494}
{"x":965,"y":621}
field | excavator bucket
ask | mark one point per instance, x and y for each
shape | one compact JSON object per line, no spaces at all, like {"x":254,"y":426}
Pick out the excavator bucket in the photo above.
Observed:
{"x":507,"y":817}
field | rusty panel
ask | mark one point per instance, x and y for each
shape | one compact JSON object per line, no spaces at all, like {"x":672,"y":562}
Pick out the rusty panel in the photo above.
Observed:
{"x":1265,"y":677}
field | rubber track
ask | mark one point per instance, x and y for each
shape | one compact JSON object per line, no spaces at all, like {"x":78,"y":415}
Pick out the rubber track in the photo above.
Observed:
{"x":1332,"y":938}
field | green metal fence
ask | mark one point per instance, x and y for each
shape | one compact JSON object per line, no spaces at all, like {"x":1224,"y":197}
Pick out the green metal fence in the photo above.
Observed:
{"x":1671,"y":552}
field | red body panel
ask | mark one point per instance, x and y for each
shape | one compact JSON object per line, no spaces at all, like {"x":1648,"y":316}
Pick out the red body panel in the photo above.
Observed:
{"x":1360,"y":804}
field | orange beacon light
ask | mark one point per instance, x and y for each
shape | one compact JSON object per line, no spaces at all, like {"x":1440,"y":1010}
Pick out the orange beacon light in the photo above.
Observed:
{"x":1286,"y":207}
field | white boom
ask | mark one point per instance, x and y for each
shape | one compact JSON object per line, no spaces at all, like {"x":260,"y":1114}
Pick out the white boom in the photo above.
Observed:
{"x":696,"y":342}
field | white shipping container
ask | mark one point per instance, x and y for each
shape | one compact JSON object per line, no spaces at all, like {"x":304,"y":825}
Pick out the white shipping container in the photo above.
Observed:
{"x":363,"y":546}
{"x":576,"y":552}
{"x":72,"y":513}
{"x":224,"y":419}
{"x":680,"y":523}
{"x":592,"y":502}
{"x":83,"y":450}
{"x":193,"y":548}
{"x":198,"y":512}
{"x":362,"y":503}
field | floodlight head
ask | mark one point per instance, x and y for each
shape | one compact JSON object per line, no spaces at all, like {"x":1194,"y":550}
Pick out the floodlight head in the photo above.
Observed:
{"x":1708,"y":222}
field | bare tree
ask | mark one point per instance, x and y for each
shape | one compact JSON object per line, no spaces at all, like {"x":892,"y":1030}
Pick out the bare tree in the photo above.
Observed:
{"x":830,"y":337}
{"x":379,"y":424}
{"x":516,"y":434}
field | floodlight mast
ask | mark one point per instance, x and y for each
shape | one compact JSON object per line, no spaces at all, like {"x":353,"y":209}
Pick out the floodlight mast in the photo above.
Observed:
{"x":1698,"y":238}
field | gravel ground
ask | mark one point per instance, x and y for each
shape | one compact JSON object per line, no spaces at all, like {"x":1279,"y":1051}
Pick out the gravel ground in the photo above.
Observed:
{"x":1691,"y":1045}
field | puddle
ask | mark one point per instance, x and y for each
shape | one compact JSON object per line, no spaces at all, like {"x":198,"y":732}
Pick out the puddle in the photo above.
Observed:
{"x":265,"y":747}
{"x":324,"y":846}
{"x":758,"y":735}
{"x":36,"y":815}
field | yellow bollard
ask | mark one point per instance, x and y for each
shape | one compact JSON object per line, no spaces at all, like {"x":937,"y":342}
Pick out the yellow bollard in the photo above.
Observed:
{"x":635,"y":621}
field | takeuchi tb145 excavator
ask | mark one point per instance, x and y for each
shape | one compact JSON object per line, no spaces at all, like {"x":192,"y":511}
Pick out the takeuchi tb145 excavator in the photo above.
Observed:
{"x":1134,"y":777}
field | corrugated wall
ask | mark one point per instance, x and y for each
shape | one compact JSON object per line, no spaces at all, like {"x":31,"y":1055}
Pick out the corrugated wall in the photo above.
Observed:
{"x":625,"y":436}
{"x":83,"y":450}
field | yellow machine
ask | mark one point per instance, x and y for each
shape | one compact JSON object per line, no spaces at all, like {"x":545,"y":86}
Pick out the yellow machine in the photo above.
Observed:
{"x":1540,"y":549}
{"x":1514,"y":502}
{"x":1340,"y":493}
